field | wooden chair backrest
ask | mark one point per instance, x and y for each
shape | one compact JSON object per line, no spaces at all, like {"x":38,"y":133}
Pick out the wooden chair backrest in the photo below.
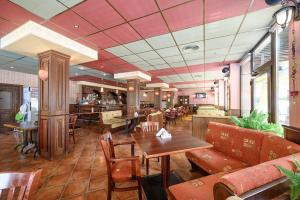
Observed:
{"x":73,"y":120}
{"x":149,"y":127}
{"x":108,"y":150}
{"x":156,"y":118}
{"x":19,"y":184}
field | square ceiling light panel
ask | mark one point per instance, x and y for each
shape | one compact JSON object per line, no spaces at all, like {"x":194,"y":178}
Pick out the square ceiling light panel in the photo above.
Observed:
{"x":138,"y":46}
{"x":45,"y":9}
{"x":189,"y":35}
{"x":161,"y":41}
{"x":31,"y":39}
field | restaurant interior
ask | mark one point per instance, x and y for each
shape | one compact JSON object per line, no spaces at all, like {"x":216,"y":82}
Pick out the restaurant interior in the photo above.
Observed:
{"x":150,"y":99}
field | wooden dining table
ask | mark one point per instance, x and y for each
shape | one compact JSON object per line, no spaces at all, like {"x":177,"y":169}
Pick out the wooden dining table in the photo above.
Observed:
{"x":153,"y":146}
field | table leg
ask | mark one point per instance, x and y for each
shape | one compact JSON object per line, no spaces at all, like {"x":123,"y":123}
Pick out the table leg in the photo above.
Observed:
{"x":165,"y":171}
{"x":126,"y":129}
{"x":25,"y":140}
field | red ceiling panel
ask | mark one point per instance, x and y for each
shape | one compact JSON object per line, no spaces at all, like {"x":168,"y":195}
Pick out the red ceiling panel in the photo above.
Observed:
{"x":105,"y":55}
{"x":150,"y":26}
{"x":60,"y":30}
{"x":68,"y":19}
{"x":133,"y":9}
{"x":100,"y":13}
{"x":16,"y":14}
{"x":102,"y":40}
{"x":218,"y":10}
{"x":123,"y":34}
{"x":184,"y":16}
{"x":164,"y":4}
{"x":209,"y":82}
{"x":258,"y":4}
{"x":6,"y":27}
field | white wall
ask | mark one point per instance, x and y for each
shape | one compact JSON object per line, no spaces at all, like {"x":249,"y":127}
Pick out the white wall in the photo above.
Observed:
{"x":31,"y":80}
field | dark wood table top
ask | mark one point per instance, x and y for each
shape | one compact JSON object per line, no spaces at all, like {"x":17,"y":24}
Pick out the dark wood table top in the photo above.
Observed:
{"x":24,"y":126}
{"x":153,"y":146}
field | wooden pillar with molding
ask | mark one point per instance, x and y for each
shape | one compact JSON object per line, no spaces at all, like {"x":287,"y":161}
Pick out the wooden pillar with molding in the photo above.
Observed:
{"x":54,"y":104}
{"x":157,"y":98}
{"x":133,"y":96}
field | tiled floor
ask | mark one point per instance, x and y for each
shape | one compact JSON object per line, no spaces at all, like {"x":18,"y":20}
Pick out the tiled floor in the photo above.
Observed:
{"x":82,"y":174}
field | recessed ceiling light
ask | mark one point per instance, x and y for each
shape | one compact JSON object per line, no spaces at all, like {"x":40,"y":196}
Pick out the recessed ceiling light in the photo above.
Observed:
{"x":76,"y":74}
{"x":81,"y":68}
{"x":190,"y":48}
{"x":104,"y":74}
{"x":76,"y":26}
{"x":11,"y":67}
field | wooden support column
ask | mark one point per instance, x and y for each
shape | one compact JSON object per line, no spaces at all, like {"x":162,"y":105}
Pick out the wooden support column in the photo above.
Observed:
{"x":54,"y":105}
{"x":133,"y":96}
{"x":157,"y":98}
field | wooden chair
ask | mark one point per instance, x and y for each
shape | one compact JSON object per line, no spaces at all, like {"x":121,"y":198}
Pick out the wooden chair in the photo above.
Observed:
{"x":148,"y":127}
{"x":72,"y":126}
{"x":120,"y":170}
{"x":19,"y":184}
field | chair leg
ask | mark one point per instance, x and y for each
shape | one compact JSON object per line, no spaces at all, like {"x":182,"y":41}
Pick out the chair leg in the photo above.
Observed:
{"x":109,"y":191}
{"x":143,"y":160}
{"x":147,"y":166}
{"x":139,"y":188}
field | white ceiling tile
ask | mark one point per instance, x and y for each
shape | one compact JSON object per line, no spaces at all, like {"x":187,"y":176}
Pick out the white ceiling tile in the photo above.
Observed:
{"x":70,"y":3}
{"x":262,"y":19}
{"x":241,"y":49}
{"x":216,"y":52}
{"x":142,"y":64}
{"x":177,"y":64}
{"x":156,"y":61}
{"x":149,"y":55}
{"x":170,"y":51}
{"x":223,"y":27}
{"x":174,"y":59}
{"x":147,"y":68}
{"x":119,"y":51}
{"x":214,"y":59}
{"x":44,"y":9}
{"x":194,"y":56}
{"x":161,"y":41}
{"x":194,"y":62}
{"x":138,"y":46}
{"x":186,"y":77}
{"x":213,"y":75}
{"x":237,"y":56}
{"x":131,"y":58}
{"x":200,"y":44}
{"x":218,"y":43}
{"x":249,"y":38}
{"x":162,"y":66}
{"x":189,"y":35}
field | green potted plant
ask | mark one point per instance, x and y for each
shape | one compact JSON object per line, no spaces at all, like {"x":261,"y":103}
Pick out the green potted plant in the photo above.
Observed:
{"x":294,"y":178}
{"x":258,"y":121}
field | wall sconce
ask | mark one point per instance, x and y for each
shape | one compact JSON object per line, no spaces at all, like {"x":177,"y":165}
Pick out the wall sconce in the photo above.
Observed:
{"x":168,"y":95}
{"x":165,"y":96}
{"x":145,"y":94}
{"x":102,"y":89}
{"x":156,"y":93}
{"x":130,"y":88}
{"x":117,"y":91}
{"x":290,"y":8}
{"x":43,"y":74}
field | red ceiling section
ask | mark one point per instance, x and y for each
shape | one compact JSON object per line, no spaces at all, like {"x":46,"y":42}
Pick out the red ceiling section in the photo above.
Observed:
{"x":133,"y":9}
{"x":6,"y":27}
{"x":184,"y":16}
{"x":102,"y":40}
{"x":16,"y":14}
{"x":218,"y":10}
{"x":60,"y":30}
{"x":100,"y":13}
{"x":150,"y":25}
{"x":164,"y":4}
{"x":68,"y":19}
{"x":105,"y":55}
{"x":123,"y":34}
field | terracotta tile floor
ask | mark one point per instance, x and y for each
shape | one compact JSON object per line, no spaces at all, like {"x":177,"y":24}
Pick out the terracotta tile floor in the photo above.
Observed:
{"x":82,"y":174}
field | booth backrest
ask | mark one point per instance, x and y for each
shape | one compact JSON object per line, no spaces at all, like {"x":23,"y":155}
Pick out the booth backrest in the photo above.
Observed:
{"x":250,"y":178}
{"x":107,"y":115}
{"x":248,"y":145}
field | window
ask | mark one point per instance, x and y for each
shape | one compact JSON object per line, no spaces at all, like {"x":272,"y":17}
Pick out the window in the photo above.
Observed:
{"x":245,"y":86}
{"x":283,"y":78}
{"x":261,"y":91}
{"x":262,"y":53}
